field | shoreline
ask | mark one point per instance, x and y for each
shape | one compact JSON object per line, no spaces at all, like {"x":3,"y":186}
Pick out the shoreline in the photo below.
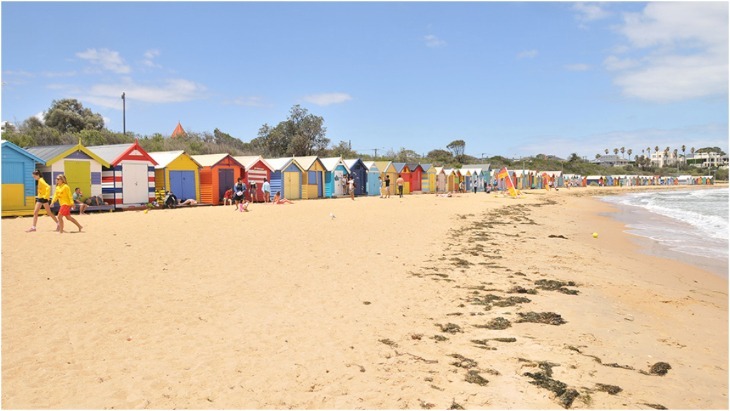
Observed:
{"x":421,"y":302}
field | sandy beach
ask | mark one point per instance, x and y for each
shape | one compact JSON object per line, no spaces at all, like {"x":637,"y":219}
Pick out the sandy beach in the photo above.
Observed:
{"x":478,"y":301}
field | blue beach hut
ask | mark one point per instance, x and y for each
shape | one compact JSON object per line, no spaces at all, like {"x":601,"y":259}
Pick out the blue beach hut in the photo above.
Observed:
{"x":286,"y":177}
{"x":360,"y":172}
{"x":374,"y":182}
{"x":18,"y":185}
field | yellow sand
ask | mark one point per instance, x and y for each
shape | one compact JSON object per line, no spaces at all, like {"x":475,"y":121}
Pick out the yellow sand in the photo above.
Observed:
{"x":288,"y":307}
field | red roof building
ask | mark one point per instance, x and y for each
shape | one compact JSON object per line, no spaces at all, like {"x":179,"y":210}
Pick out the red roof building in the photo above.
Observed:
{"x":178,"y":131}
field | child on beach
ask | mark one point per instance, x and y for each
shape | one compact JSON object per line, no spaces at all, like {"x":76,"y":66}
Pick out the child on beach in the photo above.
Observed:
{"x":228,"y":197}
{"x":279,"y":200}
{"x":42,"y":200}
{"x":65,"y":200}
{"x":239,"y":194}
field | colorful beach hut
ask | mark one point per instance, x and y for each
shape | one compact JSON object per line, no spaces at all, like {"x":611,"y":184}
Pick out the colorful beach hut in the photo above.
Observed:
{"x":176,"y":171}
{"x":374,"y":181}
{"x":440,"y":173}
{"x":18,"y":185}
{"x":256,"y":169}
{"x":286,"y":176}
{"x":130,"y":178}
{"x":218,"y":173}
{"x":428,"y":178}
{"x":416,"y":177}
{"x":357,"y":168}
{"x":334,"y":176}
{"x":404,"y":172}
{"x":312,"y":178}
{"x":80,"y":165}
{"x":387,"y":169}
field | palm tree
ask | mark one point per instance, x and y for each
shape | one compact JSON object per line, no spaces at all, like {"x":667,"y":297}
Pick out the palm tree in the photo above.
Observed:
{"x":615,"y":151}
{"x":606,"y":151}
{"x":623,"y":150}
{"x":598,"y":156}
{"x":684,"y":156}
{"x":629,"y":151}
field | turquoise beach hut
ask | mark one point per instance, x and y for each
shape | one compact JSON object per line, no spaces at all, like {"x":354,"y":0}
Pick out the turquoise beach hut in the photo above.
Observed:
{"x":373,"y":181}
{"x":334,"y":176}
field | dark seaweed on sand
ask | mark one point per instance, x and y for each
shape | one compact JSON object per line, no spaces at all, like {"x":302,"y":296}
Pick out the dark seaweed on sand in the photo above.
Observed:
{"x":498,"y":323}
{"x":543,"y":318}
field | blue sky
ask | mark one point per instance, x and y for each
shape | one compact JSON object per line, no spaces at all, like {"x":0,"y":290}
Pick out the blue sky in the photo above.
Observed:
{"x":508,"y":78}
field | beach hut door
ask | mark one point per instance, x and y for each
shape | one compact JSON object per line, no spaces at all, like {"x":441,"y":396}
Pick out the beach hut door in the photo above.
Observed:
{"x":339,"y":176}
{"x":135,"y":188}
{"x":225,"y":181}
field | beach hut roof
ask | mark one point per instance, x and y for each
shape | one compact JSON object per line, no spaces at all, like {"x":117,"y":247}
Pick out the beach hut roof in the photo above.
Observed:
{"x":164,"y":158}
{"x":11,"y":146}
{"x":399,"y":167}
{"x":382,"y":165}
{"x":330,"y":163}
{"x":306,"y":162}
{"x":282,"y":163}
{"x":210,"y":160}
{"x":426,"y":167}
{"x":350,"y":163}
{"x":370,"y":165}
{"x":438,"y":170}
{"x":114,"y":153}
{"x":552,"y":173}
{"x":52,"y":154}
{"x":593,"y":177}
{"x":249,"y":161}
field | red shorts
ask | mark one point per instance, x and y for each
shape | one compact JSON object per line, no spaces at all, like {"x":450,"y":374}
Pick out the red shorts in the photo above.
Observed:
{"x":65,"y":210}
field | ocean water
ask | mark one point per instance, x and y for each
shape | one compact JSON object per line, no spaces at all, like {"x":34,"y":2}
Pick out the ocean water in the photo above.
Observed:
{"x":688,"y":225}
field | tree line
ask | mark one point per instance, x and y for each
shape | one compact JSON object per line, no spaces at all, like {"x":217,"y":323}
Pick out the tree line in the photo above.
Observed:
{"x":67,"y":121}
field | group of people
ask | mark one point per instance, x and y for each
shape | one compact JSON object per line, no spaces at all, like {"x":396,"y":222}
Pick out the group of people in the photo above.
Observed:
{"x":385,"y":186}
{"x":236,"y":195}
{"x":65,"y":199}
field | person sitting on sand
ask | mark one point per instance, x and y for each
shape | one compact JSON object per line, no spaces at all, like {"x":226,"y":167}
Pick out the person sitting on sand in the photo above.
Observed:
{"x":77,"y":196}
{"x":279,"y":200}
{"x":445,"y":194}
{"x":228,"y":197}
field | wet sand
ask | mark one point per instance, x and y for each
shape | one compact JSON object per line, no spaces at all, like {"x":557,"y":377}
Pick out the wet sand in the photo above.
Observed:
{"x":475,"y":301}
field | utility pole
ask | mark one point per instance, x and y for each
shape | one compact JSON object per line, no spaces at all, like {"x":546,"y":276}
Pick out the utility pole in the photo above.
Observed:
{"x":124,"y":114}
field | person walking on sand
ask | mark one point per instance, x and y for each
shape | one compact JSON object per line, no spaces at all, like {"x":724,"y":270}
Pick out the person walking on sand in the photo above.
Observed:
{"x":380,"y":187}
{"x":399,"y":184}
{"x":267,"y":191}
{"x":42,"y":200}
{"x":387,"y":186}
{"x":239,"y":193}
{"x":351,"y":186}
{"x":65,"y":200}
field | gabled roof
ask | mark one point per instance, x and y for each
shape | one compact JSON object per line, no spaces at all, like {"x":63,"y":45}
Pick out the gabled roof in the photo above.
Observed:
{"x":26,"y":153}
{"x":52,"y":154}
{"x":281,"y":163}
{"x":382,"y":165}
{"x":350,"y":163}
{"x":114,"y":153}
{"x":331,"y":163}
{"x":426,"y":167}
{"x":210,"y":160}
{"x":164,"y":158}
{"x":178,"y":131}
{"x":306,"y":162}
{"x":399,"y":167}
{"x":249,"y":161}
{"x":411,"y":166}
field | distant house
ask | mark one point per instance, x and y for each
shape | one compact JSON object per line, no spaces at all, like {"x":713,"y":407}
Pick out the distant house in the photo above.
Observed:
{"x":611,"y":161}
{"x":707,"y":159}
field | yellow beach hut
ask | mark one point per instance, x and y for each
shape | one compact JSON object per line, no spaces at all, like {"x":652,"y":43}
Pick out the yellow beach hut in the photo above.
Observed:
{"x":387,"y":169}
{"x":80,"y":165}
{"x":178,"y":172}
{"x":428,"y":179}
{"x":313,"y":176}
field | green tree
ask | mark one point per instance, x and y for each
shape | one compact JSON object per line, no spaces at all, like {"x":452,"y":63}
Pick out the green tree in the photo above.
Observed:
{"x":302,"y":134}
{"x":342,"y":149}
{"x":70,"y":116}
{"x":439,"y":157}
{"x":457,"y":148}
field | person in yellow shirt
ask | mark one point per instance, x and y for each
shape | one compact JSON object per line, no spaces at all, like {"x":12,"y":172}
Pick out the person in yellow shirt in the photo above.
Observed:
{"x":42,"y":200}
{"x":65,"y":200}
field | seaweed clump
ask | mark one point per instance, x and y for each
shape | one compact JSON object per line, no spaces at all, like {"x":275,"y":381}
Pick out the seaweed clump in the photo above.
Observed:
{"x":660,"y":368}
{"x":543,"y":318}
{"x":498,"y":323}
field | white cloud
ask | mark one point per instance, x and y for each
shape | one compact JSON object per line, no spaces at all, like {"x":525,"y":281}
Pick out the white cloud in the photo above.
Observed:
{"x":327,"y":99}
{"x":170,"y":91}
{"x":578,"y":67}
{"x":528,"y":54}
{"x":590,"y":11}
{"x":149,"y":57}
{"x":681,"y":52}
{"x":106,"y":59}
{"x":433,"y":41}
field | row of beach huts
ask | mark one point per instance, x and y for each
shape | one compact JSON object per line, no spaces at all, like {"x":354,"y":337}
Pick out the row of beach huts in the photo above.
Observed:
{"x":125,"y":175}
